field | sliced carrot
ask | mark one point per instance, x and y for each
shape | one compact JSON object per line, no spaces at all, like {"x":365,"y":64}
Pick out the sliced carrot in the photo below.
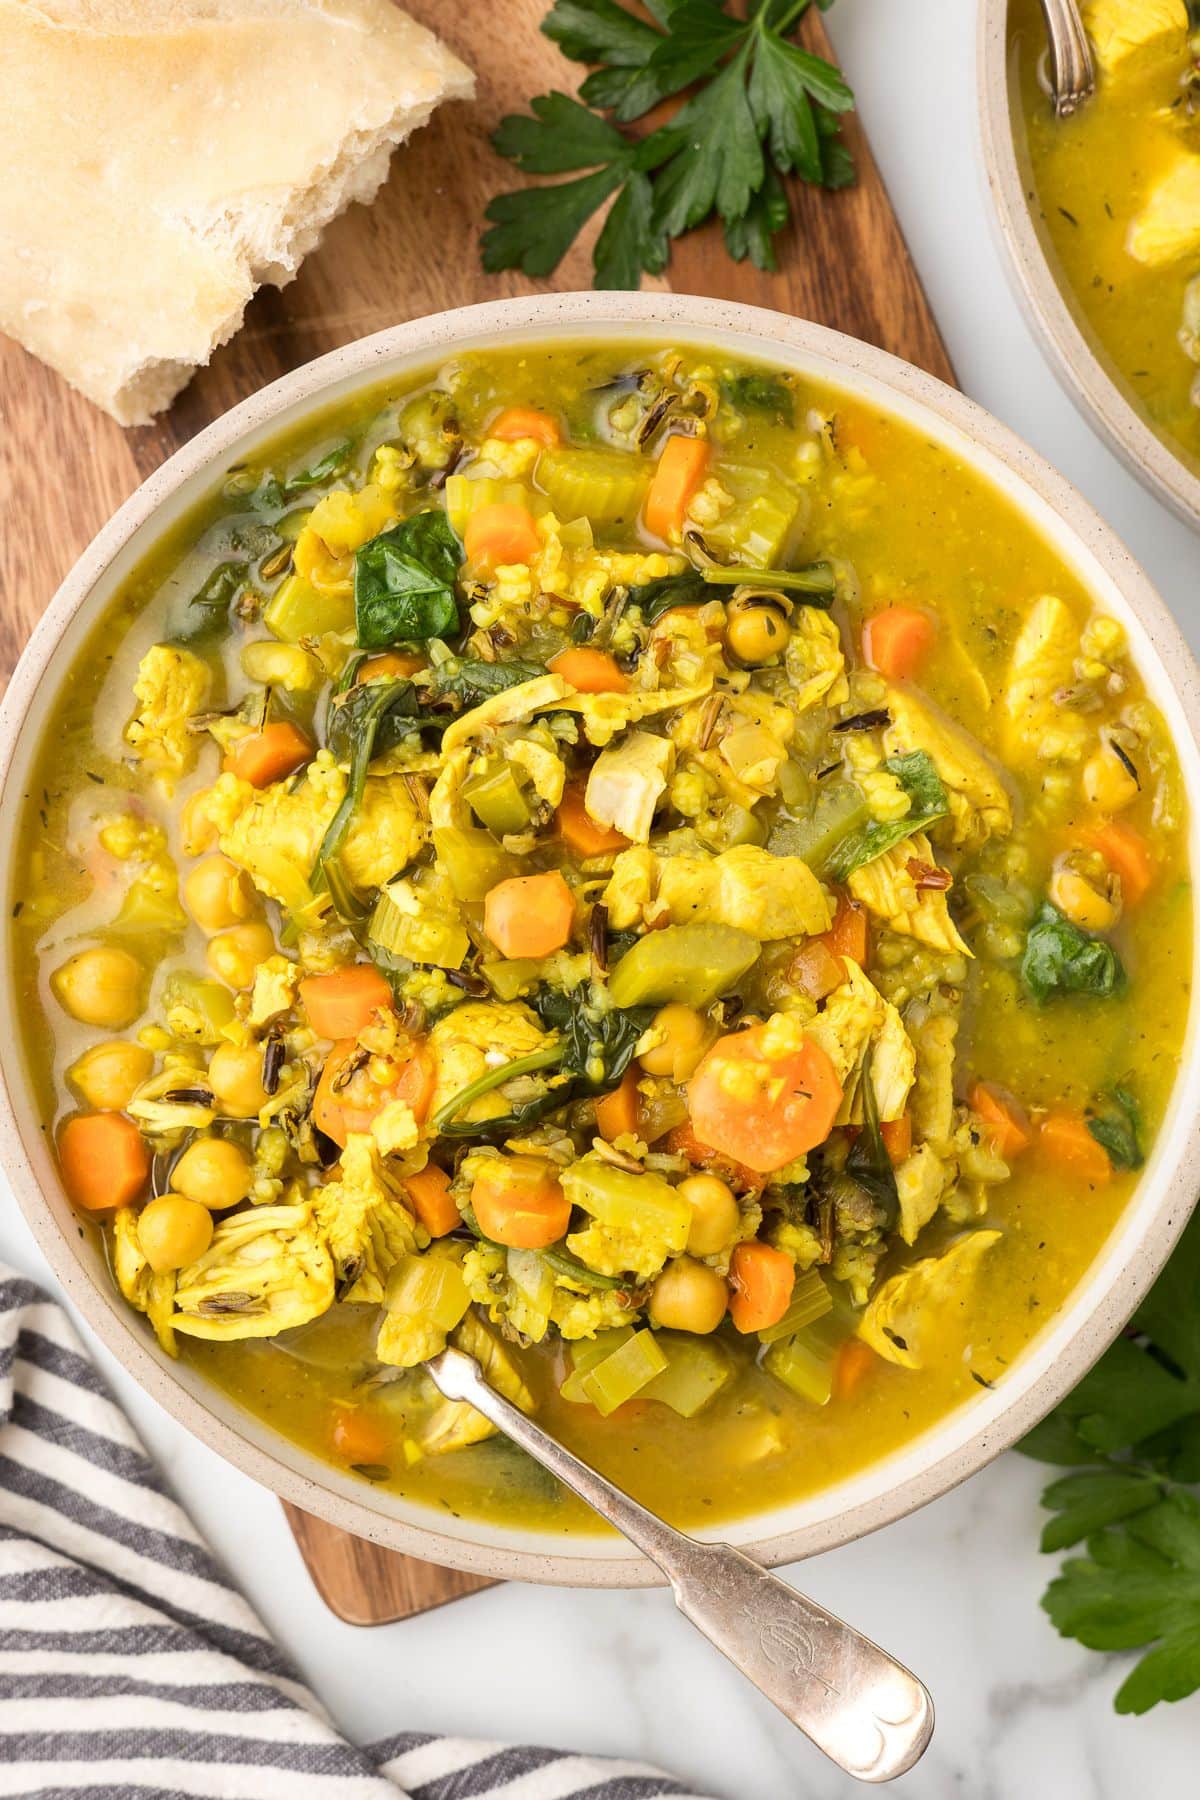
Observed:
{"x":762,"y":1104}
{"x":580,"y":832}
{"x":269,"y":755}
{"x":501,"y":533}
{"x":1006,"y":1119}
{"x":359,"y":1439}
{"x":432,"y":1201}
{"x":1127,"y":854}
{"x":897,"y":640}
{"x":682,"y":1141}
{"x":850,"y":1367}
{"x":897,"y":1138}
{"x":617,"y":1113}
{"x":344,"y":1002}
{"x":399,"y":663}
{"x":1066,"y":1141}
{"x":518,"y":1201}
{"x":848,"y":935}
{"x":105,"y":1160}
{"x":681,"y":468}
{"x":529,"y":915}
{"x":526,"y":422}
{"x":762,"y":1279}
{"x":348,"y":1100}
{"x":590,"y":671}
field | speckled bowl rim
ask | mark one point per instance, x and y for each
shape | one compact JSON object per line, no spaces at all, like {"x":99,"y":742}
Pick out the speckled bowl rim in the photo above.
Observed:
{"x":977,"y":1431}
{"x":1073,"y":355}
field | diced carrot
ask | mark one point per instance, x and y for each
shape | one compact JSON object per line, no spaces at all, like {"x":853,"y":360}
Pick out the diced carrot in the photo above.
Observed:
{"x":762,"y":1279}
{"x":269,"y":755}
{"x":343,"y":1003}
{"x":897,"y":640}
{"x":682,"y":1141}
{"x":847,"y":936}
{"x":681,"y":468}
{"x":359,"y":1439}
{"x":1066,"y":1141}
{"x":519,"y":1201}
{"x":501,"y":533}
{"x":617,"y":1113}
{"x":526,"y":422}
{"x":1127,"y":854}
{"x":760,"y":1106}
{"x":432,"y":1201}
{"x":1006,"y":1119}
{"x":529,"y":915}
{"x":850,"y":1367}
{"x":580,"y":832}
{"x":349,"y":1099}
{"x":390,"y":662}
{"x":897,"y":1138}
{"x":105,"y":1160}
{"x":590,"y":671}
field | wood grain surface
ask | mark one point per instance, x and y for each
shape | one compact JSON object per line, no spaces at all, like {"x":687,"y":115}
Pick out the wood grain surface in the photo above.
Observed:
{"x":65,"y":467}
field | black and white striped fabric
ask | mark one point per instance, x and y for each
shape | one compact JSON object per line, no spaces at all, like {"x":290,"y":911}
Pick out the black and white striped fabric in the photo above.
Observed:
{"x":131,"y":1670}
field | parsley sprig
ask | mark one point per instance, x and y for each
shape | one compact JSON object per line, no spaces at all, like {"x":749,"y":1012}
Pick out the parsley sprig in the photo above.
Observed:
{"x":1131,"y":1434}
{"x":762,"y":107}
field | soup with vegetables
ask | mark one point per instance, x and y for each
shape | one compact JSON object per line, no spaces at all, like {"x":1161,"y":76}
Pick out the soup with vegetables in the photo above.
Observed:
{"x":1118,"y":190}
{"x":638,"y":865}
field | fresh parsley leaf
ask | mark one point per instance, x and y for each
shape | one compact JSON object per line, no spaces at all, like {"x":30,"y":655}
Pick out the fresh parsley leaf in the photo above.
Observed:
{"x":923,"y":785}
{"x":404,"y":583}
{"x":754,"y":234}
{"x":1060,"y":959}
{"x":1114,"y":1122}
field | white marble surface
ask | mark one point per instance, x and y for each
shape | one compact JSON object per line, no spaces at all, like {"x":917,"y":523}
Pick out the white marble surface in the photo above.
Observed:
{"x":1021,"y":1715}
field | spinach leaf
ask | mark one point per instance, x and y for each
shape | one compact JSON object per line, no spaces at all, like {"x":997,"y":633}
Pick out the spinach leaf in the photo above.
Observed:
{"x":273,"y":492}
{"x":1061,"y":959}
{"x":472,"y":681}
{"x":765,"y":394}
{"x":598,"y":1042}
{"x":1114,"y":1121}
{"x":404,"y":583}
{"x":207,"y":612}
{"x":401,"y":714}
{"x":868,"y":1162}
{"x":658,"y":597}
{"x":813,"y":586}
{"x":923,"y":785}
{"x":357,"y":737}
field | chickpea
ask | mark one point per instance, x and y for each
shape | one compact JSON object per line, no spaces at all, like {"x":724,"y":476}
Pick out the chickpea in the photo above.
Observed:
{"x":689,"y":1296}
{"x":1090,"y":905}
{"x":714,"y":1213}
{"x":173,"y":1231}
{"x":108,"y":1075}
{"x":686,"y":1036}
{"x":100,"y":987}
{"x":235,"y":1076}
{"x":215,"y":1172}
{"x":218,"y":894}
{"x":1107,"y":783}
{"x":754,"y":634}
{"x":234,"y":956}
{"x":197,"y":833}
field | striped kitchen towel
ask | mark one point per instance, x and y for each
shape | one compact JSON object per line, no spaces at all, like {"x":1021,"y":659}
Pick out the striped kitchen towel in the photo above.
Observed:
{"x":130,"y":1669}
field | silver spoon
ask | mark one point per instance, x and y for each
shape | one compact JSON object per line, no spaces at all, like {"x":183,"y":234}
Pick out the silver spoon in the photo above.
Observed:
{"x":1072,"y":69}
{"x":856,"y":1703}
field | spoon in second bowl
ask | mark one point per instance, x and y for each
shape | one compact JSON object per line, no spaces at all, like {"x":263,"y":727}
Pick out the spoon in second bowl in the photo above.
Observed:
{"x":856,"y":1703}
{"x":1072,"y":69}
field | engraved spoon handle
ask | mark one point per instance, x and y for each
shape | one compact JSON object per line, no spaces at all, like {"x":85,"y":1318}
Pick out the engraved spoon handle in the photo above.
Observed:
{"x":856,"y":1703}
{"x":1072,"y":70}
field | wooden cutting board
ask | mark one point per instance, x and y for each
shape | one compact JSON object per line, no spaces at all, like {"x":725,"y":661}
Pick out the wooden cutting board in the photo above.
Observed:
{"x":64,"y":467}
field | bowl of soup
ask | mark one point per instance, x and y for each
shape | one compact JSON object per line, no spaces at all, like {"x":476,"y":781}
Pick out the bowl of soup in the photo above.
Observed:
{"x":1100,"y":217}
{"x":638,"y":837}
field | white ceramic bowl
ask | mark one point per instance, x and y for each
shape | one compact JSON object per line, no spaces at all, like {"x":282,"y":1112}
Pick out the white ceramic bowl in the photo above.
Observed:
{"x":1079,"y":362}
{"x":961,"y":1443}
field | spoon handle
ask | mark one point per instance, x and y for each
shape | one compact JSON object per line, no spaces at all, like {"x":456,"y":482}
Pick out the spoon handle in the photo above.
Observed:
{"x":856,"y":1703}
{"x":1072,"y":70}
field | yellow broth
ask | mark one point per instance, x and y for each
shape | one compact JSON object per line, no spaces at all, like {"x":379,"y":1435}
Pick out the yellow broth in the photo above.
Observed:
{"x":910,"y":524}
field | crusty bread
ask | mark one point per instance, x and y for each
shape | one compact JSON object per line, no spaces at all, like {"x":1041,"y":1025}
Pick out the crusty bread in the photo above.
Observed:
{"x":167,"y":157}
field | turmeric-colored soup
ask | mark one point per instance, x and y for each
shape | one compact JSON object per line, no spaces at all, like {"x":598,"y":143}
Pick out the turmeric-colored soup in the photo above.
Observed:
{"x":1117,"y":191}
{"x":633,"y":864}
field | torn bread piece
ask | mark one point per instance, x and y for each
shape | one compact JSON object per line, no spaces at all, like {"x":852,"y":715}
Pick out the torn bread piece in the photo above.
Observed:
{"x":178,"y":154}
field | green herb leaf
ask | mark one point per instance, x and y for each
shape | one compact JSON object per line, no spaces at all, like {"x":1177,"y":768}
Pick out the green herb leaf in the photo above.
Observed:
{"x":814,"y":586}
{"x":207,"y":612}
{"x":1114,"y":1122}
{"x":770,"y":395}
{"x":921,"y":782}
{"x":1061,"y":959}
{"x":868,"y":1162}
{"x":599,"y":1040}
{"x":471,"y":680}
{"x":359,"y":731}
{"x":404,"y":583}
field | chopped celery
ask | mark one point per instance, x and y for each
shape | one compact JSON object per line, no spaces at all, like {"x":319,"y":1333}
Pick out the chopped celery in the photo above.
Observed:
{"x":196,"y":1008}
{"x":494,"y":796}
{"x":605,"y":486}
{"x":298,"y":610}
{"x":838,"y":809}
{"x":419,"y":924}
{"x":738,"y":825}
{"x":643,"y":1205}
{"x":630,"y":1368}
{"x":472,"y":860}
{"x":758,"y":527}
{"x":466,"y":494}
{"x":811,"y":1300}
{"x":697,"y":1369}
{"x":807,"y":1371}
{"x":428,"y":1288}
{"x":148,"y":906}
{"x":508,"y":980}
{"x":586,"y":1354}
{"x":695,"y":963}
